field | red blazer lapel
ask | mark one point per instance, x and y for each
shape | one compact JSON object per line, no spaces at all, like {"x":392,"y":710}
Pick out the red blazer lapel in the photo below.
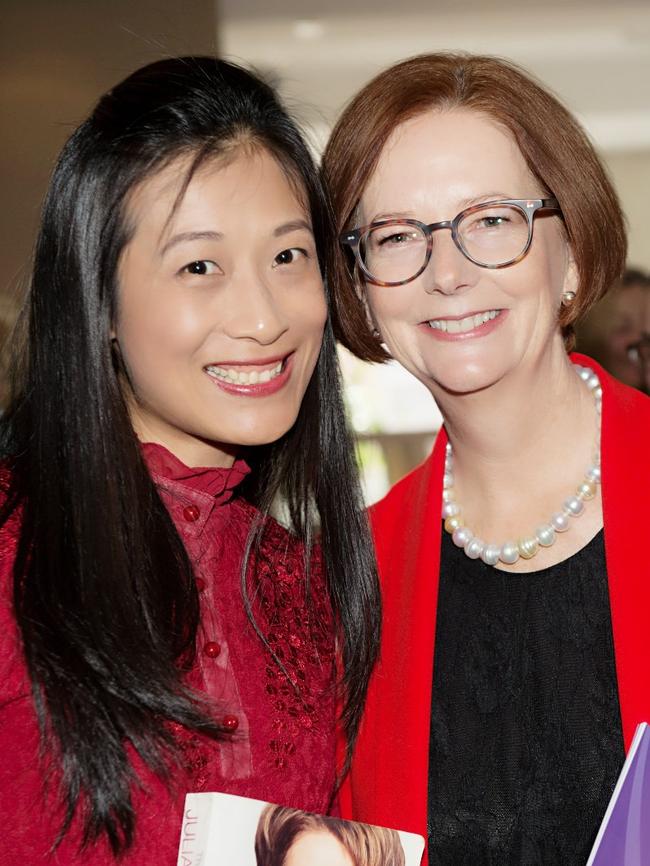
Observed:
{"x":407,"y":527}
{"x":625,"y":446}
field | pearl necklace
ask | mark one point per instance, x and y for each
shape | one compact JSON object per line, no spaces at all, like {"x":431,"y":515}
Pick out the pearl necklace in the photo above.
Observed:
{"x":544,"y":536}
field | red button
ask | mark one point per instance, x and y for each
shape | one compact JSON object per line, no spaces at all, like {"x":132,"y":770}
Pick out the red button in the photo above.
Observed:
{"x":191,"y":513}
{"x":212,"y":649}
{"x":230,"y":723}
{"x":200,"y":584}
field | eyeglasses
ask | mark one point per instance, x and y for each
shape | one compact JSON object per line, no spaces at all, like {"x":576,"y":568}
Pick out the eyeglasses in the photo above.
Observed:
{"x":495,"y":234}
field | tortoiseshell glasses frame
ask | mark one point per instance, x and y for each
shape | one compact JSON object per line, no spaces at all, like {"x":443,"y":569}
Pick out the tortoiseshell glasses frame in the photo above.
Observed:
{"x":356,"y":238}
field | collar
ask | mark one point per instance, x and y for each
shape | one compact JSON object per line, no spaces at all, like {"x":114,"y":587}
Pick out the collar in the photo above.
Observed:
{"x":216,"y":482}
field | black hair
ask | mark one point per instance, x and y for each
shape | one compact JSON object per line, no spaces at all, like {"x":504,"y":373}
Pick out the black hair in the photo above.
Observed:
{"x":104,"y":594}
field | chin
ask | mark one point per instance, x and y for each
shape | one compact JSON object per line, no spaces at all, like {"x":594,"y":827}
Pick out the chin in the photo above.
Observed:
{"x":463,"y":379}
{"x":263,"y":434}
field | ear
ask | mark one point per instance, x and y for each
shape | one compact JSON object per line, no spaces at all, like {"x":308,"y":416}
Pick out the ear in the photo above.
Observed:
{"x":571,"y":277}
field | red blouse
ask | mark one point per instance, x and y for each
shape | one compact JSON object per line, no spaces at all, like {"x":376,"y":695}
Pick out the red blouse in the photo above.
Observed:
{"x":282,"y":742}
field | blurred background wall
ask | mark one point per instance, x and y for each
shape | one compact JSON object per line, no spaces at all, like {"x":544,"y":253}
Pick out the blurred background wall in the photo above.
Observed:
{"x":57,"y":56}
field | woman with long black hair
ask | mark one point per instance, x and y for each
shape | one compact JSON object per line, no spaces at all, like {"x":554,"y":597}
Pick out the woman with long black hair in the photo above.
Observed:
{"x":159,"y":631}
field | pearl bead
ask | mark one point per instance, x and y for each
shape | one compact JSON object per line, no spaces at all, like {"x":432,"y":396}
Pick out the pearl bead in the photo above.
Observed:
{"x":560,"y":522}
{"x":461,"y":536}
{"x":509,"y":552}
{"x":593,"y":473}
{"x":584,"y":373}
{"x":598,"y":392}
{"x":448,"y":479}
{"x":593,"y":382}
{"x":573,"y":506}
{"x":474,"y":548}
{"x":545,"y":535}
{"x":528,"y":547}
{"x":587,"y":490}
{"x":454,"y":522}
{"x":490,"y":554}
{"x":450,"y":509}
{"x":448,"y":494}
{"x":448,"y":448}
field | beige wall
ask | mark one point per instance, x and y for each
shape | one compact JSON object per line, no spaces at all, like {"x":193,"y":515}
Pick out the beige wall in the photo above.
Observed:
{"x":57,"y":57}
{"x":630,"y":172}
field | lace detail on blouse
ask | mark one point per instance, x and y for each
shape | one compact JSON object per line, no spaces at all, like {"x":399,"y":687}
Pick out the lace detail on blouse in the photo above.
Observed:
{"x":295,"y":628}
{"x":526,"y":734}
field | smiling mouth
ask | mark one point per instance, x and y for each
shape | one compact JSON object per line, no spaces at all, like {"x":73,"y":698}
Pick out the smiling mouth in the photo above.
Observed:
{"x":248,"y":373}
{"x":464,"y":325}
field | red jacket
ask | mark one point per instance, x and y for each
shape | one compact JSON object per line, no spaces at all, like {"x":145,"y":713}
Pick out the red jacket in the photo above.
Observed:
{"x":388,"y":781}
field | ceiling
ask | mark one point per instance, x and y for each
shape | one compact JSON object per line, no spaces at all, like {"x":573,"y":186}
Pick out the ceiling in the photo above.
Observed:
{"x":593,"y":53}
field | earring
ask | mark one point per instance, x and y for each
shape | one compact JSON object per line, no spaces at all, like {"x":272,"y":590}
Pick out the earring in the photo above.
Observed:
{"x":375,"y":333}
{"x":568,"y":298}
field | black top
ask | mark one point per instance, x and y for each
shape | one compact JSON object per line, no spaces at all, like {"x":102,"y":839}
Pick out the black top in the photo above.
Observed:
{"x":526,"y":734}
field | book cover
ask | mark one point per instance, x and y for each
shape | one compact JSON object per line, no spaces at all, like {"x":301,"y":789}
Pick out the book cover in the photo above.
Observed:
{"x":624,"y":835}
{"x":225,"y":830}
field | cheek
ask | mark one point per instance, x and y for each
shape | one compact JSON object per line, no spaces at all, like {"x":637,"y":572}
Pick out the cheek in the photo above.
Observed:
{"x":159,"y":324}
{"x":389,"y":307}
{"x":308,"y":316}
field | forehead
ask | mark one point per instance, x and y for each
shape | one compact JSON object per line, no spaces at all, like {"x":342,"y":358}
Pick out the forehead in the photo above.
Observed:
{"x":447,"y":157}
{"x":246,"y":185}
{"x":317,"y":848}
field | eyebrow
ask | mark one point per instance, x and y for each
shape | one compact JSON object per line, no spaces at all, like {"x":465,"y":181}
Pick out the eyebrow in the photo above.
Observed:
{"x":280,"y":231}
{"x":293,"y":226}
{"x":190,"y":236}
{"x":465,"y":203}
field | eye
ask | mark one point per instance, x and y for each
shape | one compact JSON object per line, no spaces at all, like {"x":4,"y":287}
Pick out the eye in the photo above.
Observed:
{"x":493,"y":222}
{"x":290,"y":256}
{"x":202,"y":267}
{"x":397,"y":239}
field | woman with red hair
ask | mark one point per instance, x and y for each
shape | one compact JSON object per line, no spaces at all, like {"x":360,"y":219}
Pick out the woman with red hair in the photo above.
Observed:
{"x":477,"y":224}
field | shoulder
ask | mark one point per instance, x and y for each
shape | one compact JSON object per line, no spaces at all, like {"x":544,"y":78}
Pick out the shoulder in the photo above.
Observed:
{"x":626,"y":417}
{"x":9,"y":522}
{"x":13,"y":682}
{"x":5,"y":481}
{"x":620,"y":399}
{"x":626,"y":402}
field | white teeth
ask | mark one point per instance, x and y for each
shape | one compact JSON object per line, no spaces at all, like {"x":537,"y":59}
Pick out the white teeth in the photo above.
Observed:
{"x":461,"y":326}
{"x":240,"y":377}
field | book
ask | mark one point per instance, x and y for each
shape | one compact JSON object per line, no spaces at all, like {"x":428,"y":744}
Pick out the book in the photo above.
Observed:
{"x":226,"y":830}
{"x":624,"y":835}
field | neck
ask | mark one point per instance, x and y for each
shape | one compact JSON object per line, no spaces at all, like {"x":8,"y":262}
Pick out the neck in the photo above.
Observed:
{"x":530,"y":429}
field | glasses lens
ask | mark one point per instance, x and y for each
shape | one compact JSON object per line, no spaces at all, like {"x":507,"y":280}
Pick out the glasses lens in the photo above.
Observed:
{"x":393,"y":253}
{"x":494,"y":234}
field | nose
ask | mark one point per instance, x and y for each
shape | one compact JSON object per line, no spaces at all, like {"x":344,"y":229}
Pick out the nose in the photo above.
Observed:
{"x":448,"y":271}
{"x":255,"y":311}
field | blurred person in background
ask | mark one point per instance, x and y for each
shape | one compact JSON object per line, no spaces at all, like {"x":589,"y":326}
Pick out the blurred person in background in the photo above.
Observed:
{"x":477,"y":225}
{"x":159,"y":632}
{"x":616,"y":331}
